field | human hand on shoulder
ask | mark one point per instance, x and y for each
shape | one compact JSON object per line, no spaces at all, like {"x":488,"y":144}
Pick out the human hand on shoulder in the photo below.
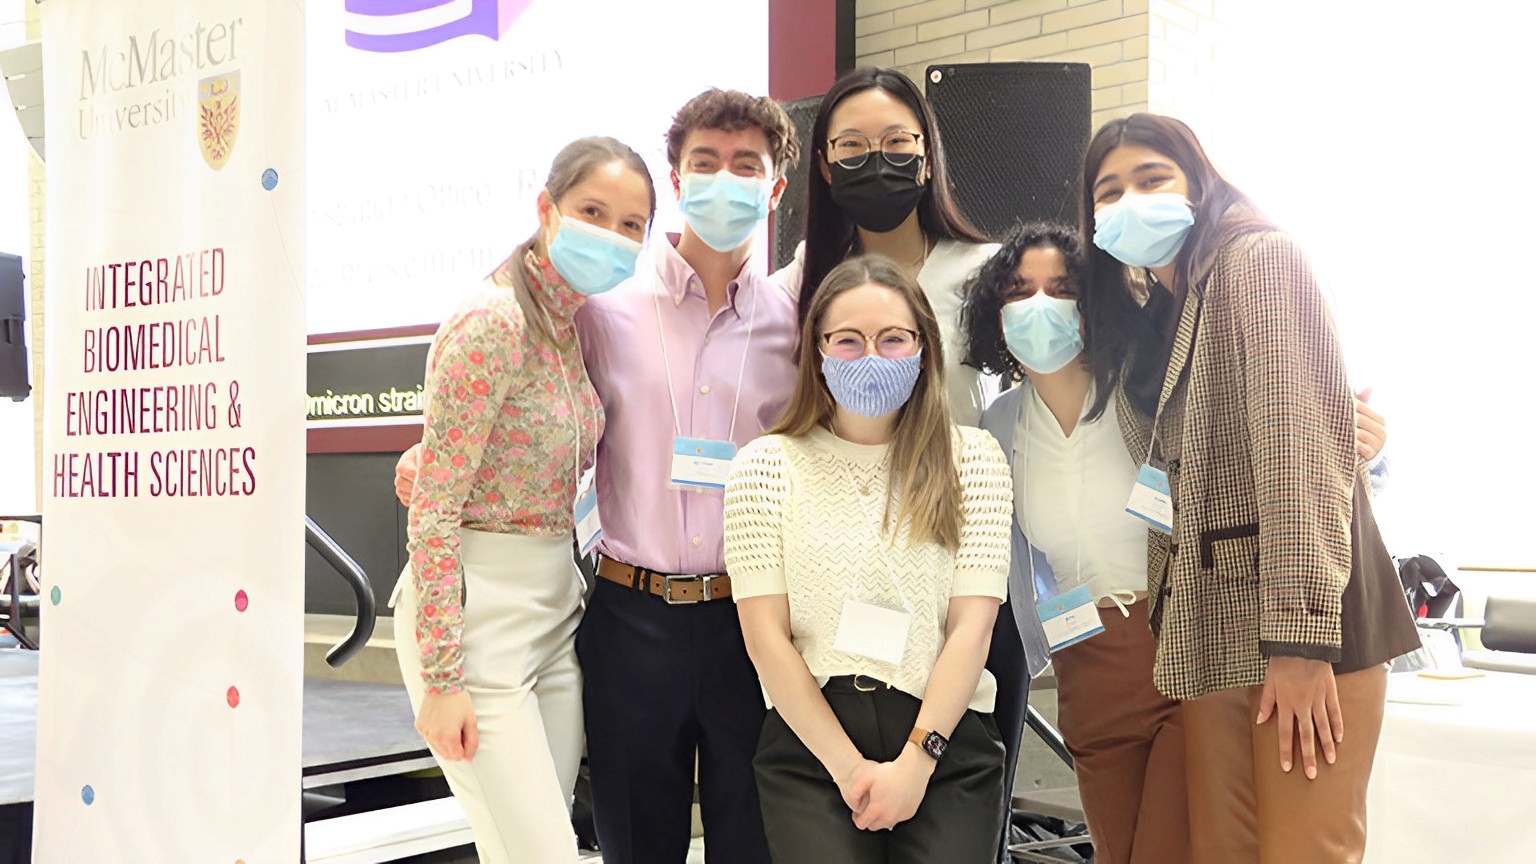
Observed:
{"x":1370,"y":427}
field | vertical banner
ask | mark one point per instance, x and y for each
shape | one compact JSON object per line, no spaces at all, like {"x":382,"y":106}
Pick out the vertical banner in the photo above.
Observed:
{"x":171,"y":689}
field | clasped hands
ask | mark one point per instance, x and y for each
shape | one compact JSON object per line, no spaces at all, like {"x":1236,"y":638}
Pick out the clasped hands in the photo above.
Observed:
{"x":882,"y":794}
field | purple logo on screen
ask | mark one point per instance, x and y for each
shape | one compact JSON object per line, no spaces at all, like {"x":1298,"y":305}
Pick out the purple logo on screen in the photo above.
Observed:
{"x":488,"y":18}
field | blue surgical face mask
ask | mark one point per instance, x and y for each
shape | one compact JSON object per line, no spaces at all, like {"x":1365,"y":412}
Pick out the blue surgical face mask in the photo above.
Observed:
{"x":722,"y":208}
{"x":1144,"y":230}
{"x":1043,"y":332}
{"x":591,"y":259}
{"x":872,"y":386}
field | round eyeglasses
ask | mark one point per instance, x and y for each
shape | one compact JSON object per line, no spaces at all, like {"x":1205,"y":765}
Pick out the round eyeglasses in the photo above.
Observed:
{"x":892,"y":343}
{"x":897,"y":147}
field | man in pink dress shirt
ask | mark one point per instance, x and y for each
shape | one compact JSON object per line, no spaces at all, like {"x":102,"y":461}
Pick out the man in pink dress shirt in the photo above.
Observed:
{"x":700,"y":347}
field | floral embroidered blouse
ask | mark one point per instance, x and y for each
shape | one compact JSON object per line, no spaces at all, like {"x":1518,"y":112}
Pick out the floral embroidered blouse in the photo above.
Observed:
{"x":498,"y":451}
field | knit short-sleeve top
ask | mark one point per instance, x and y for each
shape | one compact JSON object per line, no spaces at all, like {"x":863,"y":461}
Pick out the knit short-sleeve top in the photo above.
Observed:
{"x":804,"y":518}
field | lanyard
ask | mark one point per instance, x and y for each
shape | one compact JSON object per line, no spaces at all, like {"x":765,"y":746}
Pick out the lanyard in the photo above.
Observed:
{"x":577,"y":412}
{"x":1027,"y":406}
{"x":741,"y":371}
{"x":1198,"y":298}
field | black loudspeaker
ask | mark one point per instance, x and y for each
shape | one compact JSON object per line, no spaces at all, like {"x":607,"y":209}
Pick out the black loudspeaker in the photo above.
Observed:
{"x":1014,"y":138}
{"x":13,"y":330}
{"x":789,"y":219}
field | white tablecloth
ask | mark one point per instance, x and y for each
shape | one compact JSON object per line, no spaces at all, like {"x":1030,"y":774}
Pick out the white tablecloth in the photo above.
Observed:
{"x":1455,"y":775}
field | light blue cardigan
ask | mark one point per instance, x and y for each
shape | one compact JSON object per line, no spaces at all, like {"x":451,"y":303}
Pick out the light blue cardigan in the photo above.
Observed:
{"x":1030,"y":577}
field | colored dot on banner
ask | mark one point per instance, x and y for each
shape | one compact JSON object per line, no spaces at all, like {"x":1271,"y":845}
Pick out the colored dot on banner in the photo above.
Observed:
{"x":269,"y":179}
{"x":241,"y":601}
{"x":88,"y":795}
{"x":55,"y":595}
{"x":233,"y":697}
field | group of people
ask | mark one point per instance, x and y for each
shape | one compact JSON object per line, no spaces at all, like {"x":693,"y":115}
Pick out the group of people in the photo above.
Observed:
{"x":831,"y":557}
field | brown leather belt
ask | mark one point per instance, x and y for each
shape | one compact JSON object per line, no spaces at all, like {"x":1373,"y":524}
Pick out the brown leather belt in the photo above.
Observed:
{"x":670,"y":587}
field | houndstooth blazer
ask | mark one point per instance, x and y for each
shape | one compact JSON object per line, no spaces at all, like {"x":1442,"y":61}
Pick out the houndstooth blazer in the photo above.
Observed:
{"x":1257,"y":431}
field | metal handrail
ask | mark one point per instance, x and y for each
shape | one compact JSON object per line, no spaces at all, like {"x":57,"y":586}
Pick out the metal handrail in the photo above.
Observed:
{"x":362,"y":590}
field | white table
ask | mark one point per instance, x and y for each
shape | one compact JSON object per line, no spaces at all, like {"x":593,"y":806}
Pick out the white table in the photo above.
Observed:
{"x":1455,"y":774}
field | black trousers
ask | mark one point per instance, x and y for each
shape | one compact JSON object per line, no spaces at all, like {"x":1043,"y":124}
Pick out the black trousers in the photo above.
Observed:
{"x":808,"y":822}
{"x":1005,"y":660}
{"x":663,"y":683}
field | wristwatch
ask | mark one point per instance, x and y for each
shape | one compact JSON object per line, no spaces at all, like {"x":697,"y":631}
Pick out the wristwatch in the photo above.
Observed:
{"x":930,"y":741}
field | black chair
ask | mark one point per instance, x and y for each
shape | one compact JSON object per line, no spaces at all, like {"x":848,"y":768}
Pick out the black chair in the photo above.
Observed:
{"x":1508,"y":636}
{"x":19,"y":586}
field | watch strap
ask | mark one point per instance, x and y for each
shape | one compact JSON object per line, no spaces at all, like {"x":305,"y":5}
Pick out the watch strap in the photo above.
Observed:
{"x":929,"y":741}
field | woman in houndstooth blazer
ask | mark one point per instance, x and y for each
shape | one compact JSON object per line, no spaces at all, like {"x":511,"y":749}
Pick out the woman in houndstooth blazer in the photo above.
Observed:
{"x":1270,"y":593}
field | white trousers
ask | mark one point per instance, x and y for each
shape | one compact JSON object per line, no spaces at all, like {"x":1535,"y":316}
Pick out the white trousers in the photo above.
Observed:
{"x":522,"y":603}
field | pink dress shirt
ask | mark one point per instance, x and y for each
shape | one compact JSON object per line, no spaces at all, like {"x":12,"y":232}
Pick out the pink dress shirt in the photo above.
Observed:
{"x":647,"y":522}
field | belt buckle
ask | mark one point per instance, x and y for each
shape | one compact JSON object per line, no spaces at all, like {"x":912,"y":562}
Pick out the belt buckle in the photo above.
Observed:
{"x":705,"y":578}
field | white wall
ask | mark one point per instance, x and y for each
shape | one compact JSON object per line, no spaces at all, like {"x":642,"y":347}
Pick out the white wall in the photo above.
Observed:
{"x":17,"y":493}
{"x":1383,"y":135}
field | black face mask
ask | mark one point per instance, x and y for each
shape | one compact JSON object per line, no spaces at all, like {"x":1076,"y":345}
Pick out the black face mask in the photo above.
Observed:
{"x":877,"y":195}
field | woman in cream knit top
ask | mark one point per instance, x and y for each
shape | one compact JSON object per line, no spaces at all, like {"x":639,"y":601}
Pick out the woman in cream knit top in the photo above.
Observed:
{"x":803,"y":520}
{"x":867,"y":539}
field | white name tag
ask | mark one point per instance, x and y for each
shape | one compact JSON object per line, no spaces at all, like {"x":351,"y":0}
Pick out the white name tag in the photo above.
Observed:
{"x":589,"y":526}
{"x":701,"y":463}
{"x":1069,"y":618}
{"x":1150,"y":499}
{"x":873,"y":631}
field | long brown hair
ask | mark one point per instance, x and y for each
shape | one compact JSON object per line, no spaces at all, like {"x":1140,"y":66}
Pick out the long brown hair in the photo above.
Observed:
{"x":925,"y":486}
{"x":571,"y":166}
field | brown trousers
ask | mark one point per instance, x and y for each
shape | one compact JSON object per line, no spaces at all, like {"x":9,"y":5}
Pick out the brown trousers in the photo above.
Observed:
{"x":1243,"y":808}
{"x":1127,"y":742}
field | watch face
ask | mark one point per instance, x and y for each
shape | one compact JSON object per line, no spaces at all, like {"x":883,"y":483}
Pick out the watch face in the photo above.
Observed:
{"x":935,"y":744}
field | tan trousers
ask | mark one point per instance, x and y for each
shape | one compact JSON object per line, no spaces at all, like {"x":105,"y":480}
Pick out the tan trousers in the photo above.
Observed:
{"x":1127,"y":743}
{"x":1243,"y":808}
{"x":521,"y":608}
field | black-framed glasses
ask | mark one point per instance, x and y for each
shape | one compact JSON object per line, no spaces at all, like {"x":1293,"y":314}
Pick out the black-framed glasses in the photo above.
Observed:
{"x":892,"y":343}
{"x":897,"y":147}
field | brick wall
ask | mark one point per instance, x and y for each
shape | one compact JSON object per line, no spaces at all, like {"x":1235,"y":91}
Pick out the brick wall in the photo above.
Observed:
{"x":36,"y":185}
{"x":1183,"y":37}
{"x":1110,"y":35}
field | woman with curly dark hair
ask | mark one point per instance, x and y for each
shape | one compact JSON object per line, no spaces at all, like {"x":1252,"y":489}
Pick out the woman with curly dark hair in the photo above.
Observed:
{"x":1074,"y":547}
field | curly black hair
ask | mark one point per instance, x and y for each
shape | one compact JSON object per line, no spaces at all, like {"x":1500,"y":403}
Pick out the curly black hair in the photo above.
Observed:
{"x":984,"y":292}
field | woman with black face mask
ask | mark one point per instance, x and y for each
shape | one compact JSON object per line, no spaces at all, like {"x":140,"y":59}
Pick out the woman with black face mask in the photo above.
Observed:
{"x":879,"y":185}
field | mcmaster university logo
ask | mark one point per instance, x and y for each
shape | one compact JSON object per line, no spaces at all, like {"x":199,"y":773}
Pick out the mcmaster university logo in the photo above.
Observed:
{"x":407,"y":25}
{"x":218,"y":117}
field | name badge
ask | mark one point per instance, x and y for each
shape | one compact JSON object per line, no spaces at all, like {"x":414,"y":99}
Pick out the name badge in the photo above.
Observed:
{"x":589,"y":526}
{"x":873,"y":631}
{"x":1069,"y":618}
{"x":1150,"y":499}
{"x":700,"y":463}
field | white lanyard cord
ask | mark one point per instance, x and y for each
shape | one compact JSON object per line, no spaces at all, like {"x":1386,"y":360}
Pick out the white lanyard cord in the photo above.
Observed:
{"x":1028,"y":405}
{"x":741,"y":372}
{"x":577,"y":410}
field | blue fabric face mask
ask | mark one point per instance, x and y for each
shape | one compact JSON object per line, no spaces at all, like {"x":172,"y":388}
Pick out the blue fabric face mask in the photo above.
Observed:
{"x":1144,"y":230}
{"x":872,"y":386}
{"x":1043,"y":332}
{"x":591,"y":259}
{"x":722,"y":208}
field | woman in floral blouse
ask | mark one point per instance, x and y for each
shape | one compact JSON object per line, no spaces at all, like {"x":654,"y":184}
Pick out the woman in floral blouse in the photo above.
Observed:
{"x":486,"y":611}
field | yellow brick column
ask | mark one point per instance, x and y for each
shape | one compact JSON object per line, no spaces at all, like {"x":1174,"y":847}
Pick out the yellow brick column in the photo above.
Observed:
{"x":1109,"y":35}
